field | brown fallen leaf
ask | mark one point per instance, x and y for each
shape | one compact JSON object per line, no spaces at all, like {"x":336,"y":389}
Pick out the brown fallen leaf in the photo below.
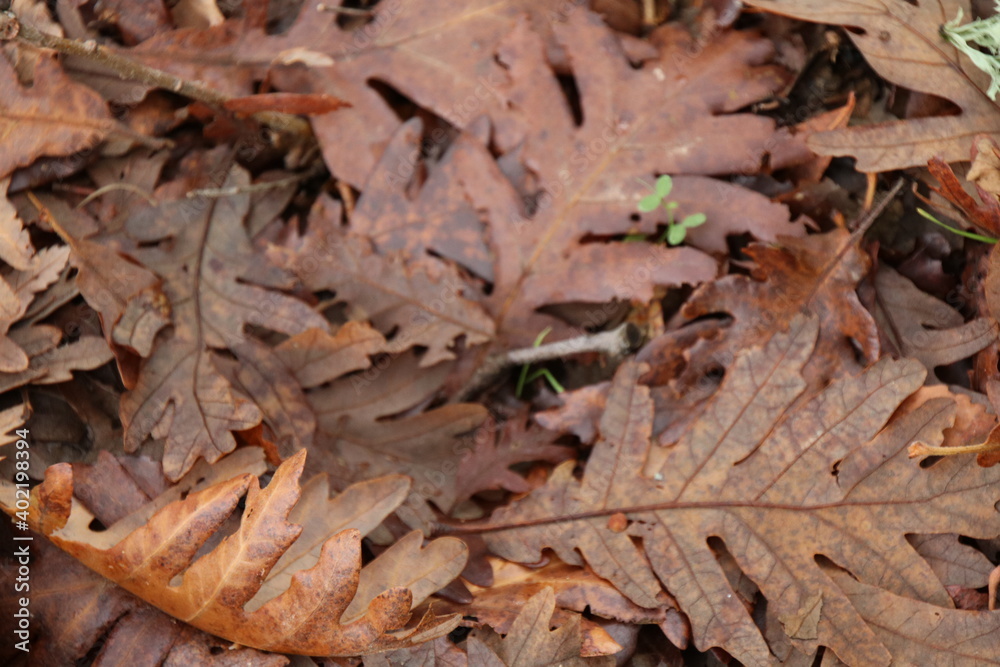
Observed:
{"x":985,"y":169}
{"x":28,"y":274}
{"x":580,"y":179}
{"x":440,"y":652}
{"x":922,"y":327}
{"x":56,"y":116}
{"x":498,"y":447}
{"x":217,"y":288}
{"x":984,"y":213}
{"x":903,"y":42}
{"x":576,"y":589}
{"x":781,"y":474}
{"x":316,"y":357}
{"x":294,"y":103}
{"x":421,"y":300}
{"x":918,"y":633}
{"x":530,"y":642}
{"x":129,"y":298}
{"x":817,"y":274}
{"x":367,"y":426}
{"x":230,"y":591}
{"x":954,"y":563}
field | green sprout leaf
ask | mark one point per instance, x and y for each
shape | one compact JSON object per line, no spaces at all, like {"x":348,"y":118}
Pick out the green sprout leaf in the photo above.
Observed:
{"x":524,"y":379}
{"x":545,"y":373}
{"x":664,"y":184}
{"x":676,"y":234}
{"x":693,"y":220}
{"x":650,"y":203}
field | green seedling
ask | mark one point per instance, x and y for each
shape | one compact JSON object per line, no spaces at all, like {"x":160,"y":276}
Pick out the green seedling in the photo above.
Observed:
{"x":960,"y":232}
{"x":676,"y":231}
{"x":525,"y":378}
{"x":980,"y":41}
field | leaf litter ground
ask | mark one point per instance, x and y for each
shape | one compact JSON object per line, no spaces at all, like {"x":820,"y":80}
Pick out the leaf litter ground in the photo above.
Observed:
{"x":204,"y":297}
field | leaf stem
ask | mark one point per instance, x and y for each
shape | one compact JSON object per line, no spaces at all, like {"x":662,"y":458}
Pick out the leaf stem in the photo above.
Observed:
{"x":918,"y":449}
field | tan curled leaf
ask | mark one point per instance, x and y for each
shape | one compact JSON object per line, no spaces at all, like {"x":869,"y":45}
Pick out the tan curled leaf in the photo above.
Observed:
{"x":781,"y":475}
{"x":216,"y":591}
{"x":903,"y":42}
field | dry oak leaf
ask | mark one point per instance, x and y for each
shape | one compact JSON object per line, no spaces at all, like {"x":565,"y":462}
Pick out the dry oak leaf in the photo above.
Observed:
{"x":75,"y":612}
{"x":422,"y":300}
{"x":984,"y":213}
{"x":128,"y":297}
{"x":674,"y":115}
{"x":781,"y":477}
{"x":368,"y":425}
{"x":902,"y":41}
{"x":817,"y":274}
{"x":923,"y":327}
{"x":441,"y":652}
{"x":424,"y":51}
{"x":229,"y":591}
{"x":56,"y":116}
{"x":27,"y":274}
{"x":576,"y":589}
{"x":199,"y":248}
{"x":917,"y":633}
{"x":530,"y":642}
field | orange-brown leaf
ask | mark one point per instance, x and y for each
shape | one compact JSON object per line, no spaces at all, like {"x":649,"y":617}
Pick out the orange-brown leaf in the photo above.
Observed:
{"x":221,"y":590}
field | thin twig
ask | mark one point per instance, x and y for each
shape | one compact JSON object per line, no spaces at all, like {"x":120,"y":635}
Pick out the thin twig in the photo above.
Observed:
{"x":129,"y":187}
{"x":613,"y":343}
{"x":131,"y":70}
{"x":255,"y":187}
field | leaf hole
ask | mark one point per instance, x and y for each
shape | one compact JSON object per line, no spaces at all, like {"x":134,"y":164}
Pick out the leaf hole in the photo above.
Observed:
{"x":929,"y":461}
{"x":400,"y":104}
{"x":459,"y":634}
{"x":353,"y":20}
{"x":567,"y":83}
{"x":97,"y":526}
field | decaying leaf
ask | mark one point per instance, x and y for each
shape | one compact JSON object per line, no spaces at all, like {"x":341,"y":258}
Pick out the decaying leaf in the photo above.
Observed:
{"x":356,"y":438}
{"x":224,"y":590}
{"x":199,"y":248}
{"x":421,"y":301}
{"x":530,"y":643}
{"x":781,"y":478}
{"x":924,"y":328}
{"x":817,"y":274}
{"x":56,"y":116}
{"x":576,"y":590}
{"x":903,"y":42}
{"x":553,"y":230}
